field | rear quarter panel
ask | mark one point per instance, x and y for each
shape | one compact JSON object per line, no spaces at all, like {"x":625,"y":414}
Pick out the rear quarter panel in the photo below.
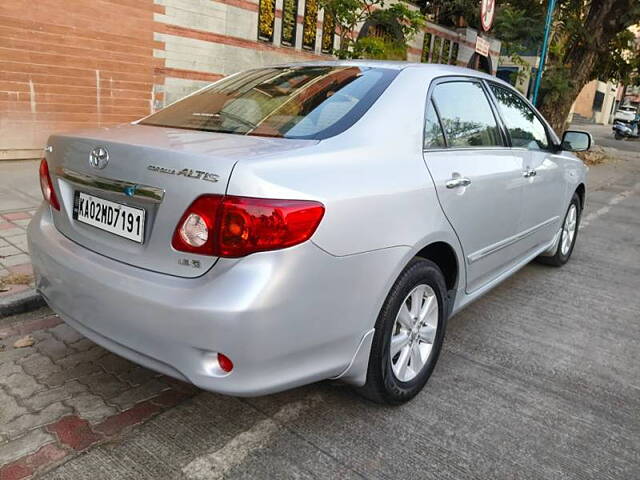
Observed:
{"x":372,"y":178}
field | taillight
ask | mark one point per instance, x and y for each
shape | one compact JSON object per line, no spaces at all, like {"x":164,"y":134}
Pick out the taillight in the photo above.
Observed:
{"x":227,"y":226}
{"x":48,"y":192}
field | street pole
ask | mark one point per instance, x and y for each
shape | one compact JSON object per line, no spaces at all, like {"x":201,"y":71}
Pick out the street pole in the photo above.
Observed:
{"x":543,"y":53}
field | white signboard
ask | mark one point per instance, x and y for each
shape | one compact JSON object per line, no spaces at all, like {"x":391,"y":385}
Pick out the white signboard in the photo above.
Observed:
{"x":482,"y":46}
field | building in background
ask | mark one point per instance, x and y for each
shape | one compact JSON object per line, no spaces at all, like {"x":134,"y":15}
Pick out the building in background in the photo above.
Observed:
{"x":69,"y":65}
{"x":596,"y":103}
{"x":458,"y":46}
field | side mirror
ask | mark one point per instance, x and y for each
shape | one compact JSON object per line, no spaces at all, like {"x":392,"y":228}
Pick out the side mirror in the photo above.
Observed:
{"x":576,"y":141}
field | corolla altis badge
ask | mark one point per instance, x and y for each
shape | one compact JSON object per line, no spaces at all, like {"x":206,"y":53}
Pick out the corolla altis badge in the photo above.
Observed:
{"x":130,"y":190}
{"x":99,"y":157}
{"x":186,"y":172}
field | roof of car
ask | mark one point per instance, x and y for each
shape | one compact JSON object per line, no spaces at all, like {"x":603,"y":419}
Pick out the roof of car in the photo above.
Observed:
{"x":437,"y":68}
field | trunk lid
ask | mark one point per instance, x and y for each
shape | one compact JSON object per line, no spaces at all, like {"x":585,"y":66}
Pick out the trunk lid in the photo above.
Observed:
{"x":159,"y":170}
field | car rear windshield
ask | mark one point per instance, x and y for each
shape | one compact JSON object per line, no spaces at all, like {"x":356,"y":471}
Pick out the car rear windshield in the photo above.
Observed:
{"x":311,"y":102}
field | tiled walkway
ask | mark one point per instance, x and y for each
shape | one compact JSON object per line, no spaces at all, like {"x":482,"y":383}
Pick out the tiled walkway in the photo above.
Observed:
{"x":64,"y":394}
{"x":19,"y":197}
{"x":14,"y":253}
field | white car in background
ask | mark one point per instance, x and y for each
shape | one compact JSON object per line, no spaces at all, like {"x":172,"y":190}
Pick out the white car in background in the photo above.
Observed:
{"x":625,"y":113}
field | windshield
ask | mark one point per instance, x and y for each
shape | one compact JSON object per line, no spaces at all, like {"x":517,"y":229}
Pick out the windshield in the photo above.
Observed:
{"x":310,"y":102}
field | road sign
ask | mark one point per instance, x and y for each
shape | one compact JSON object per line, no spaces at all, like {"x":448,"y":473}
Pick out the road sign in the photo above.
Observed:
{"x":487,"y":13}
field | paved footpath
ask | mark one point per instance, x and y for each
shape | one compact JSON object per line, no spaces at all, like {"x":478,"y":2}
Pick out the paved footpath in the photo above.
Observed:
{"x":539,"y":379}
{"x":64,"y":394}
{"x":19,"y":197}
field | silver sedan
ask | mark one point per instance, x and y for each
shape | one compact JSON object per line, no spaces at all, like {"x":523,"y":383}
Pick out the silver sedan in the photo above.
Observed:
{"x":303,"y":222}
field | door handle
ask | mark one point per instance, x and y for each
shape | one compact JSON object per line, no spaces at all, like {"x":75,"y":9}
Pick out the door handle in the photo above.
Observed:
{"x":458,"y":182}
{"x":530,"y":172}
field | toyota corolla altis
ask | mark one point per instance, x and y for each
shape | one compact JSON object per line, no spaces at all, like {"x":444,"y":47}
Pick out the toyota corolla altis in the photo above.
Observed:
{"x":303,"y":222}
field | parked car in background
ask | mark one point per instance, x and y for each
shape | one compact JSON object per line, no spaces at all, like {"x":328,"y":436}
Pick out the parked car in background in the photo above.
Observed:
{"x":625,"y":113}
{"x":303,"y":222}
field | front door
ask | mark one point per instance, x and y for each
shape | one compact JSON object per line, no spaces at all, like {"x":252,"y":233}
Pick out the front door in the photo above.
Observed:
{"x":544,"y":186}
{"x":478,"y":180}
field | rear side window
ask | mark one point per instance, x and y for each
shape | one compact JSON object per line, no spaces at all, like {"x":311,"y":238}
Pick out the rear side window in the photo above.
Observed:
{"x":313,"y":102}
{"x":466,"y":115}
{"x":525,"y":129}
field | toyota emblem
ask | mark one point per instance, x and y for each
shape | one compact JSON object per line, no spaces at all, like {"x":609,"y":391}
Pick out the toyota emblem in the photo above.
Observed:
{"x":99,"y":157}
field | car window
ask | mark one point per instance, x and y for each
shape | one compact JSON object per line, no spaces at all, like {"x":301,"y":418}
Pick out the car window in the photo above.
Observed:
{"x":524,"y":127}
{"x":313,"y":102}
{"x":433,"y":134}
{"x":466,"y":115}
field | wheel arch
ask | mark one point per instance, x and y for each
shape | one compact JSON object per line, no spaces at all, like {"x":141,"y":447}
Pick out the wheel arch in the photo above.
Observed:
{"x":443,"y":255}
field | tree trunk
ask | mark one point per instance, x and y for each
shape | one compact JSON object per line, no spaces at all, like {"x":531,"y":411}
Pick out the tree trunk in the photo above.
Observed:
{"x":603,"y":21}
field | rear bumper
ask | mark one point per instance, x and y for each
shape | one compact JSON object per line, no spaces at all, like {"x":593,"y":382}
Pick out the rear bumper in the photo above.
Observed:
{"x":285,"y":318}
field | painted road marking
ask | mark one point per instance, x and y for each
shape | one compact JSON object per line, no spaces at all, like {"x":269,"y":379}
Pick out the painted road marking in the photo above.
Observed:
{"x":614,"y":201}
{"x":217,"y":463}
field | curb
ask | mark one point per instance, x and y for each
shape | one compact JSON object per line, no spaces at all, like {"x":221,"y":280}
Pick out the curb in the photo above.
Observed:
{"x":21,"y":302}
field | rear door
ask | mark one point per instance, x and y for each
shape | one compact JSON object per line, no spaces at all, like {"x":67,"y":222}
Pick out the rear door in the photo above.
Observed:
{"x":545,"y":185}
{"x":478,"y":180}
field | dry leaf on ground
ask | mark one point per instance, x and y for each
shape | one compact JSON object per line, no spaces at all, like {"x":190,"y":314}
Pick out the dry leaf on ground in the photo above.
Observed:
{"x":24,"y":342}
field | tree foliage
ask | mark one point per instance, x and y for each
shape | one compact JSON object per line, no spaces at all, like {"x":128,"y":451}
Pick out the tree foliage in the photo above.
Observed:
{"x":589,"y":40}
{"x":450,"y":12}
{"x":351,"y":14}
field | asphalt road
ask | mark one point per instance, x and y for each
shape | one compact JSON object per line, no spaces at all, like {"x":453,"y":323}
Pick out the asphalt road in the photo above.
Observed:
{"x":538,"y":379}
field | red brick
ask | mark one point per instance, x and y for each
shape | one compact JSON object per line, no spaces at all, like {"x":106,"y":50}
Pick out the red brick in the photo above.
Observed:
{"x":45,"y":456}
{"x":15,"y":471}
{"x":74,"y":432}
{"x":30,"y":326}
{"x":27,"y":465}
{"x":228,"y":40}
{"x":13,"y":289}
{"x":136,"y":414}
{"x":188,"y":74}
{"x":16,"y":216}
{"x":24,"y":269}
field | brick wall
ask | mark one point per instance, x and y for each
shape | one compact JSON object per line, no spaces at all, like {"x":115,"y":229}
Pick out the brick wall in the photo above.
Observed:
{"x":70,"y":64}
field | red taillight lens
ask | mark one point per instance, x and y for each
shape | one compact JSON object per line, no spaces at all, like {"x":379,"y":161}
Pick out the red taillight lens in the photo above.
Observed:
{"x":238,"y":226}
{"x":48,"y":192}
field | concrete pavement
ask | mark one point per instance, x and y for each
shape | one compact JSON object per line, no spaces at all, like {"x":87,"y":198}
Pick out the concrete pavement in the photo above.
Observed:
{"x":538,"y":379}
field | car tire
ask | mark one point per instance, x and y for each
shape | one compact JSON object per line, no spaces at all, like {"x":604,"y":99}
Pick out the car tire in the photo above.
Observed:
{"x":571,"y":221}
{"x":387,"y":381}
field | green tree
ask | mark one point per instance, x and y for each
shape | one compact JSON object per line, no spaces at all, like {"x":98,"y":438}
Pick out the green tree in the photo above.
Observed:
{"x":520,"y":29}
{"x":398,"y":18}
{"x":589,"y":40}
{"x":588,"y":44}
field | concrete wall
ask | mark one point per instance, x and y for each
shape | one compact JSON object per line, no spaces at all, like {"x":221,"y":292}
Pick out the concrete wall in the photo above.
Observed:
{"x":583,"y":105}
{"x":204,"y":40}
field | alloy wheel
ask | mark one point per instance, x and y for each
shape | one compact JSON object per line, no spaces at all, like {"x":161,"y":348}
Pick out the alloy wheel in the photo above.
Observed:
{"x":414,"y":333}
{"x":569,"y":229}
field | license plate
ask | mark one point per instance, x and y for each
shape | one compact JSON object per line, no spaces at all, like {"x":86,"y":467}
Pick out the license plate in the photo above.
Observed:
{"x":112,"y":217}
